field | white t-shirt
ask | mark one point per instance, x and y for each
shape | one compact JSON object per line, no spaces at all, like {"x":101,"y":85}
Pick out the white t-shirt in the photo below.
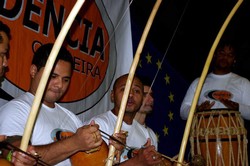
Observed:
{"x":152,"y":136}
{"x":2,"y":102}
{"x":14,"y":114}
{"x":230,"y":86}
{"x":137,"y":133}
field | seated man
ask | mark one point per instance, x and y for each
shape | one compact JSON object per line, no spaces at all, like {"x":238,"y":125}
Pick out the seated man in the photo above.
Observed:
{"x":4,"y":51}
{"x":51,"y":116}
{"x":137,"y":134}
{"x":147,"y":108}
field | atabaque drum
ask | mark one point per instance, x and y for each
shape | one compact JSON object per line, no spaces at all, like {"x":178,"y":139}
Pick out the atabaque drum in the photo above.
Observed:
{"x":219,"y":136}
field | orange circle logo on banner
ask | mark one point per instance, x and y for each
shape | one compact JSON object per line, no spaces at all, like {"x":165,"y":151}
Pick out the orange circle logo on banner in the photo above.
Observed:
{"x":88,"y":41}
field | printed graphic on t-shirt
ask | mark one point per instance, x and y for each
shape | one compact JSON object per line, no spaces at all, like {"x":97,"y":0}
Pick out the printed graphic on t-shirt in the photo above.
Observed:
{"x":218,"y":95}
{"x":59,"y":134}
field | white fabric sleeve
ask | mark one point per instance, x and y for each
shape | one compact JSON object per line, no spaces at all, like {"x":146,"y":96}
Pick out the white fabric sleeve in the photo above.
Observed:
{"x":188,"y":99}
{"x":244,"y":106}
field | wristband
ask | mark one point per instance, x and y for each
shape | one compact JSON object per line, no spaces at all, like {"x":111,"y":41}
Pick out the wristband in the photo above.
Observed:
{"x":9,"y":156}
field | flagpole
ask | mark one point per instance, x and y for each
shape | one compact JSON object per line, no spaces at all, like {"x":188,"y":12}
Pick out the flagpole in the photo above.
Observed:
{"x":48,"y":67}
{"x":201,"y":81}
{"x":130,"y":79}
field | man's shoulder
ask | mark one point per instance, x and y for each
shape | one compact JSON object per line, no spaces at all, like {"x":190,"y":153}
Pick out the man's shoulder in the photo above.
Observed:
{"x":150,"y":130}
{"x":66,"y":111}
{"x":238,"y":76}
{"x":101,"y":118}
{"x":22,"y":101}
{"x":2,"y":102}
{"x":103,"y":115}
{"x":139,"y":126}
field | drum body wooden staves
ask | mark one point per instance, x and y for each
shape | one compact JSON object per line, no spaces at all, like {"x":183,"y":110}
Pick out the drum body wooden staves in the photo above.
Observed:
{"x":219,"y":136}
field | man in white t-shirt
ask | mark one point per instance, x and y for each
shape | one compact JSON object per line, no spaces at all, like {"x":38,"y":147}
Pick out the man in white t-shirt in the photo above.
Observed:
{"x":4,"y":52}
{"x":4,"y":97}
{"x":51,"y":117}
{"x":222,"y":88}
{"x":147,"y":108}
{"x":138,"y":136}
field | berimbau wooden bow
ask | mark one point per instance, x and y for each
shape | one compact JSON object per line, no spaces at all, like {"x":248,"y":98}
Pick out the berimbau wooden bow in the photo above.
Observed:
{"x":201,"y":81}
{"x":50,"y":63}
{"x":130,"y":79}
{"x":44,"y":79}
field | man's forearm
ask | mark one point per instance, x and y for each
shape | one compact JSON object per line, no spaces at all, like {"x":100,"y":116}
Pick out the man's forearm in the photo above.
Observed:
{"x":56,"y":152}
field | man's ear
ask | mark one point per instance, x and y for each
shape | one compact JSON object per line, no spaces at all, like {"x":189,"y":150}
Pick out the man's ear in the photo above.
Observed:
{"x":112,"y":96}
{"x":33,"y":70}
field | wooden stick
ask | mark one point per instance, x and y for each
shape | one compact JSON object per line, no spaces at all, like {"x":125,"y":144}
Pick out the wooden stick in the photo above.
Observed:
{"x":48,"y":67}
{"x":201,"y":81}
{"x":130,"y":79}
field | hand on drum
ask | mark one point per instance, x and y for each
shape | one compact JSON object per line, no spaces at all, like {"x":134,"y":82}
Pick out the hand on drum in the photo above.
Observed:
{"x":230,"y":104}
{"x":206,"y":105}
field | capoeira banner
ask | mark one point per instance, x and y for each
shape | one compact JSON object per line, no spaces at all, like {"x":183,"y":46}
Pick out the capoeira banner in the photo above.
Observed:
{"x":99,"y":40}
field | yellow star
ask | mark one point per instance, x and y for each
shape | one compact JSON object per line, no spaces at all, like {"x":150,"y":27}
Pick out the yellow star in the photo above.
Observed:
{"x":171,"y":97}
{"x":171,"y":115}
{"x":158,"y":63}
{"x":167,"y":79}
{"x":165,"y":130}
{"x":148,"y":57}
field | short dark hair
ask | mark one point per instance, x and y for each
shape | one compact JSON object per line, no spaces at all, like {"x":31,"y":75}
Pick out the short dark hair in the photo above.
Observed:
{"x":229,"y":43}
{"x":125,"y":75}
{"x":4,"y":28}
{"x":41,"y":55}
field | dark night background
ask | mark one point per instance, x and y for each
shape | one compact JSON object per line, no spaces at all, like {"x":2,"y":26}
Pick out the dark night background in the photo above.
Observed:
{"x":199,"y":22}
{"x":184,"y":31}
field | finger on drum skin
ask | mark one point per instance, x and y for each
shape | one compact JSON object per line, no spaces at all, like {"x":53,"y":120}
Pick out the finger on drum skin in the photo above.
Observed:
{"x":205,"y":103}
{"x":212,"y":104}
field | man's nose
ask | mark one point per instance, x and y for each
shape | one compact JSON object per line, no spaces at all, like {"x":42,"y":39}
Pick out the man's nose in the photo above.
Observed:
{"x":59,"y":83}
{"x":5,"y":61}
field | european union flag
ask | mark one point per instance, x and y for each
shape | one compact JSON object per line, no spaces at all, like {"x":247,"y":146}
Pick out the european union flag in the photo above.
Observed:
{"x":169,"y":89}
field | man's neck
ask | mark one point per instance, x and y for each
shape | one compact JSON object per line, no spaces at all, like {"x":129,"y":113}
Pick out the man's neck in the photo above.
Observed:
{"x":140,"y":117}
{"x":49,"y":104}
{"x":221,"y":71}
{"x":127,"y":118}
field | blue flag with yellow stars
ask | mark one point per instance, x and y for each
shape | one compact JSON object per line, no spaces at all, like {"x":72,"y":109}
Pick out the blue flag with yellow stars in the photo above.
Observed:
{"x":169,"y":89}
